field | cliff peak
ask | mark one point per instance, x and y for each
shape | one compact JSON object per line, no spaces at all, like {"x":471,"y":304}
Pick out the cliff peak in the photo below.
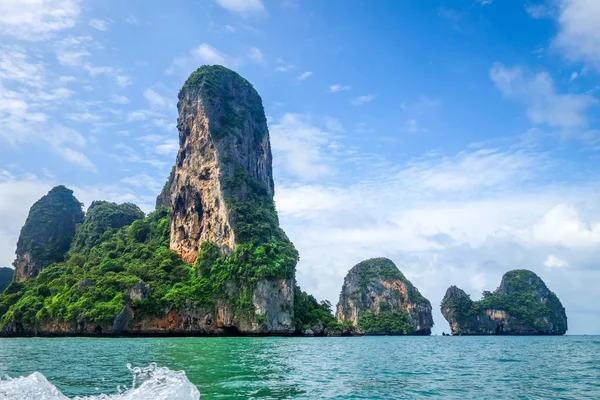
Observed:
{"x":47,"y":233}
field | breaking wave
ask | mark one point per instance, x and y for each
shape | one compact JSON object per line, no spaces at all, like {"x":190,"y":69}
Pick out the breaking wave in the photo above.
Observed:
{"x":151,"y":383}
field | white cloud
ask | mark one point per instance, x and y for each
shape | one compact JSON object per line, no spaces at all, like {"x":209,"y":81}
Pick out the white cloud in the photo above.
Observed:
{"x":544,"y":104}
{"x":574,"y":75}
{"x":156,"y":100}
{"x":37,"y":20}
{"x":484,"y":2}
{"x":118,"y":99}
{"x":132,"y":20}
{"x":209,"y":55}
{"x":304,"y":75}
{"x":283,"y":66}
{"x":555,"y":262}
{"x":24,"y":112}
{"x":83,"y":117}
{"x":539,"y":11}
{"x":334,"y":125}
{"x":339,"y":88}
{"x":579,"y":36}
{"x":67,"y":79}
{"x":16,"y":65}
{"x":359,"y":101}
{"x":472,"y":170}
{"x":243,"y":7}
{"x":256,"y":56}
{"x":99,"y":24}
{"x":203,"y":54}
{"x":562,"y":226}
{"x":300,"y":148}
{"x":123,"y":80}
{"x":71,"y":51}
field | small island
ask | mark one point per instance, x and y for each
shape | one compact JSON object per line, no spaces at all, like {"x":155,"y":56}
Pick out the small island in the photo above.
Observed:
{"x":522,"y":305}
{"x":377,"y":299}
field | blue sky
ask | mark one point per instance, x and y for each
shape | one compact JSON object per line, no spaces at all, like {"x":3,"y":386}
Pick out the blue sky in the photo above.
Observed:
{"x":458,"y":138}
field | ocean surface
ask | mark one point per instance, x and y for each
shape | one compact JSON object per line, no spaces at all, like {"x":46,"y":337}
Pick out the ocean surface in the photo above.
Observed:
{"x":565,"y":367}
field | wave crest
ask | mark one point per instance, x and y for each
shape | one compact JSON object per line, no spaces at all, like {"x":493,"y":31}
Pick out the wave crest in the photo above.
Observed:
{"x":152,"y":382}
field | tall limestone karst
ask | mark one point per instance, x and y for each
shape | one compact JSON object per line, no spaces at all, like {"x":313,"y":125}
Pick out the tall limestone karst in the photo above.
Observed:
{"x":211,"y":260}
{"x":221,"y":189}
{"x":48,"y":231}
{"x":378,"y":299}
{"x":522,"y":305}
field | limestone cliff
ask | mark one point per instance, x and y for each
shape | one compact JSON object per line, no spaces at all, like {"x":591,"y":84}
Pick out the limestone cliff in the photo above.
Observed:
{"x":221,"y":190}
{"x":210,"y":260}
{"x":224,"y":151}
{"x":48,"y":231}
{"x":522,"y":305}
{"x":378,"y":299}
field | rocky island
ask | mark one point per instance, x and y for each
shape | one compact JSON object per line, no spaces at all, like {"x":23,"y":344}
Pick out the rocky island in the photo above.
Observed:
{"x":378,"y":299}
{"x":522,"y":305}
{"x":211,"y":260}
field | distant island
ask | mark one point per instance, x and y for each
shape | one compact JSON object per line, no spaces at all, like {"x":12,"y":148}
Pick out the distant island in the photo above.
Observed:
{"x":212,"y":258}
{"x":522,"y":305}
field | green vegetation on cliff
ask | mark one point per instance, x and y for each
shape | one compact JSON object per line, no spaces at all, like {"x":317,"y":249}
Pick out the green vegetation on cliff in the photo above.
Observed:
{"x":90,"y":285}
{"x":308,"y":312}
{"x":101,"y":221}
{"x":385,"y":323}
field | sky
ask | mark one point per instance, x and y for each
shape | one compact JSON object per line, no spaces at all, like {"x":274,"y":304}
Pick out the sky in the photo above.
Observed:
{"x":459,"y":138}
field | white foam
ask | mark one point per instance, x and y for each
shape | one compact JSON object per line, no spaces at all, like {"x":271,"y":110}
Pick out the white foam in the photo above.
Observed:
{"x":151,"y":383}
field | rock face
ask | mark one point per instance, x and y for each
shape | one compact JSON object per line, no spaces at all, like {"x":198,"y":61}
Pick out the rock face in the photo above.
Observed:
{"x":223,"y":138}
{"x":522,"y":305}
{"x":378,"y":299}
{"x":48,"y":231}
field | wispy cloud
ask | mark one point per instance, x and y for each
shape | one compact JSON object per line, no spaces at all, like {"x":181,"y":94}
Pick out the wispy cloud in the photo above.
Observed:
{"x":360,"y":100}
{"x":339,"y":88}
{"x":99,"y":24}
{"x":579,"y":36}
{"x":304,"y":75}
{"x":544,"y":104}
{"x":203,"y":54}
{"x":301,"y":148}
{"x":37,"y":20}
{"x":283,"y":66}
{"x":245,"y":8}
{"x":256,"y":56}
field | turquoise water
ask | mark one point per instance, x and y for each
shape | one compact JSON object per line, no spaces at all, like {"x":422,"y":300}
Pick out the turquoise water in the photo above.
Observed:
{"x":565,"y":367}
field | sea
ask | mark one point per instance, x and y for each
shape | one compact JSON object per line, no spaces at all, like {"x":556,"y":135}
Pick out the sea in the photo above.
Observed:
{"x":493,"y":367}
